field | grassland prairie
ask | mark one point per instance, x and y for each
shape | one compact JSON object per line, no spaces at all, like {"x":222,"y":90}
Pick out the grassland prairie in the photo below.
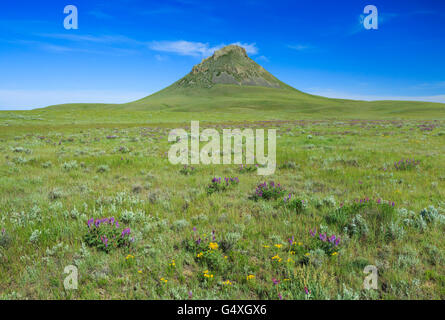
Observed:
{"x":96,"y":190}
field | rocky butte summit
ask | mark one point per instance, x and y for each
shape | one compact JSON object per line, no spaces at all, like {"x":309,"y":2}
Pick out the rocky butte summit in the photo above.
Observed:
{"x":229,"y":65}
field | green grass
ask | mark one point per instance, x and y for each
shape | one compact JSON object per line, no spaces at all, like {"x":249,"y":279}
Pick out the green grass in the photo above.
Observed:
{"x":58,"y":169}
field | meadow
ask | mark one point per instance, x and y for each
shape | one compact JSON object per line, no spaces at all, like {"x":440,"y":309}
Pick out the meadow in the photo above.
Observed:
{"x":101,"y":195}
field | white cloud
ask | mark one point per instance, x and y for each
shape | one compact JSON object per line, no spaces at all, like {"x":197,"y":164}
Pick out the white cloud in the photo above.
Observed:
{"x":263,"y":58}
{"x":181,"y":47}
{"x":160,"y":57}
{"x":195,"y":49}
{"x":250,"y":47}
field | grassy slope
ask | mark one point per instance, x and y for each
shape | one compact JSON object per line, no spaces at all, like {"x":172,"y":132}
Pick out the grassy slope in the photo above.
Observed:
{"x":228,"y":102}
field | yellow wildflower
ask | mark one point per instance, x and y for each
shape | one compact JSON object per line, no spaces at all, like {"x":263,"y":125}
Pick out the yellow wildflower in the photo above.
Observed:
{"x":278,"y":246}
{"x":213,"y":245}
{"x":199,"y":255}
{"x":334,"y":253}
{"x":227,"y":283}
{"x":250,"y":277}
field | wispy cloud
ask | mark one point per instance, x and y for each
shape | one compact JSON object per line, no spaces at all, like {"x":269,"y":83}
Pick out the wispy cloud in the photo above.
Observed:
{"x":430,"y":85}
{"x":263,"y":58}
{"x":195,"y":49}
{"x":165,"y":10}
{"x":108,"y":39}
{"x":125,"y":45}
{"x":299,"y":47}
{"x":160,"y":57}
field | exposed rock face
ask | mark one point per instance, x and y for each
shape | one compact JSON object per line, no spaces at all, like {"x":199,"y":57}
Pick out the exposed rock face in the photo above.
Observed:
{"x":229,"y":65}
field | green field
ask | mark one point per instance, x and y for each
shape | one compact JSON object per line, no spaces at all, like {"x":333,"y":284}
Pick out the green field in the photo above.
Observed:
{"x":63,"y":165}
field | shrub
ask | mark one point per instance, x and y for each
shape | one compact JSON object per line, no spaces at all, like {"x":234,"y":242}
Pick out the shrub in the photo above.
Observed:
{"x":213,"y":259}
{"x":230,"y":240}
{"x":407,"y":164}
{"x":317,"y":257}
{"x":411,"y":219}
{"x":56,"y":193}
{"x":268,"y":191}
{"x":179,"y":225}
{"x":321,"y":241}
{"x":137,"y":188}
{"x":431,"y":215}
{"x":5,"y":239}
{"x":71,"y":165}
{"x":219,"y":185}
{"x":357,"y":227}
{"x":394,"y":231}
{"x":294,"y":204}
{"x":35,"y":236}
{"x":367,"y":216}
{"x":47,"y":164}
{"x":128,"y":216}
{"x":106,"y":234}
{"x":103,"y":168}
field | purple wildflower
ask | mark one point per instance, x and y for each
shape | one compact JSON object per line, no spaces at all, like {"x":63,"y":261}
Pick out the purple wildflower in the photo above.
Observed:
{"x":313,"y":232}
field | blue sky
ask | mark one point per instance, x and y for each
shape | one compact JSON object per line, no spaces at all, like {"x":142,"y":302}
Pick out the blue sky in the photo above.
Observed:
{"x":126,"y":49}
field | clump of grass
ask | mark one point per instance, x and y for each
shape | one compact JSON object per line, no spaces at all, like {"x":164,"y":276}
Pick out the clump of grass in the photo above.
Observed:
{"x":103,"y":168}
{"x":187,"y":170}
{"x":5,"y":239}
{"x":247,"y":168}
{"x":288,"y":165}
